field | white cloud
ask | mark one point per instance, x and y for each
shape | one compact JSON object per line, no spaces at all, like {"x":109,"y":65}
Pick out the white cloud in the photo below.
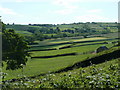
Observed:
{"x":64,"y":11}
{"x":94,"y":18}
{"x":67,"y":5}
{"x":95,"y":11}
{"x":70,"y":6}
{"x":68,"y":2}
{"x":7,"y":11}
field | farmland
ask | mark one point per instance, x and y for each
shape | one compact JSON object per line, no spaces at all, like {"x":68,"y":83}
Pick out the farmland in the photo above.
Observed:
{"x":36,"y":66}
{"x":78,"y":78}
{"x":66,"y":62}
{"x":73,"y":30}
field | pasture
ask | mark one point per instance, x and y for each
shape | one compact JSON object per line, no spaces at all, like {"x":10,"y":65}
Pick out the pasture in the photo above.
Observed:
{"x":106,"y":73}
{"x":37,"y":66}
{"x":65,"y":40}
{"x":64,"y":56}
{"x":68,"y":50}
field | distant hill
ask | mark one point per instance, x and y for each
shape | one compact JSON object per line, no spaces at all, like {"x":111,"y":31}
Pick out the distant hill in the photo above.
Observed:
{"x":48,"y":31}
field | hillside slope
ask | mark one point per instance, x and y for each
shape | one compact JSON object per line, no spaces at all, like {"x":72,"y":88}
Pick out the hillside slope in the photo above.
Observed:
{"x":103,"y":74}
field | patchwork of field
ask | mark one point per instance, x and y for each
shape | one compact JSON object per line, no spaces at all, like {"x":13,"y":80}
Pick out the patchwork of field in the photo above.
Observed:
{"x":65,"y":56}
{"x":36,"y":66}
{"x":66,"y":40}
{"x":68,"y":50}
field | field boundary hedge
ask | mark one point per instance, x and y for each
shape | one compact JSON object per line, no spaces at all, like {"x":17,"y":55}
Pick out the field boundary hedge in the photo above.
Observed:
{"x":93,"y":60}
{"x":88,"y":62}
{"x":74,"y":42}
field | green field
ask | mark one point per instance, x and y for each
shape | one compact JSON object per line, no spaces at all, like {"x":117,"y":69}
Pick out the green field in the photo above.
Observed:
{"x":57,"y":41}
{"x":61,"y":43}
{"x":104,"y":75}
{"x":75,"y":55}
{"x":68,"y":50}
{"x":101,"y":75}
{"x":38,"y":66}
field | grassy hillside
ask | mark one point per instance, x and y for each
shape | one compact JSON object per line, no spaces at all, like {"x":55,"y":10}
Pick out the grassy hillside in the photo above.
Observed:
{"x":64,"y":56}
{"x":104,"y":75}
{"x":36,"y":66}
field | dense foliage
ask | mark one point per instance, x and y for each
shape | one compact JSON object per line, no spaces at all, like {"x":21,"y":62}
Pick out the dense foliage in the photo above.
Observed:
{"x":13,"y":49}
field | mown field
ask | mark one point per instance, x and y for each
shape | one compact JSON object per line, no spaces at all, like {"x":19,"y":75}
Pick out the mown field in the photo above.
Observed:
{"x":66,"y":40}
{"x":58,"y":43}
{"x":36,"y":66}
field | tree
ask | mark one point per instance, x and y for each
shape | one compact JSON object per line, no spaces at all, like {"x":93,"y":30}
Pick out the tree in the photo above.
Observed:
{"x":29,"y":39}
{"x":57,"y":29}
{"x":86,"y":28}
{"x":38,"y":35}
{"x":3,"y":26}
{"x":14,"y":50}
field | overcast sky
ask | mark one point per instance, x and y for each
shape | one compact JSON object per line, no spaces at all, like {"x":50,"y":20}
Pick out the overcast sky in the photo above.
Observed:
{"x":58,"y":11}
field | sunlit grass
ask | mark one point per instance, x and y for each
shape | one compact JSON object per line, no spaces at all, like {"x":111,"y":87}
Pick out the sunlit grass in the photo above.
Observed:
{"x":69,"y":50}
{"x":38,"y":66}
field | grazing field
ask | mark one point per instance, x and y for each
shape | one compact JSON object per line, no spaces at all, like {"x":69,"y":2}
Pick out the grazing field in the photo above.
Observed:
{"x":57,"y":41}
{"x":59,"y":56}
{"x":90,"y":39}
{"x":68,"y":50}
{"x":71,"y":42}
{"x":104,"y":75}
{"x":111,"y":35}
{"x":36,"y":66}
{"x":58,"y":47}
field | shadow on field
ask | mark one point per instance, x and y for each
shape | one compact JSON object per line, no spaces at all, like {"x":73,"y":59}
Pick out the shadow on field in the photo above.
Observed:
{"x":42,"y":50}
{"x":94,"y":60}
{"x":74,"y":42}
{"x":69,"y":46}
{"x":67,"y":54}
{"x":88,"y":62}
{"x":91,"y":44}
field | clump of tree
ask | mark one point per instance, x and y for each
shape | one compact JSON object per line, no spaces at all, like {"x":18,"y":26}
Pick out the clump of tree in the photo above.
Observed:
{"x":14,"y":49}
